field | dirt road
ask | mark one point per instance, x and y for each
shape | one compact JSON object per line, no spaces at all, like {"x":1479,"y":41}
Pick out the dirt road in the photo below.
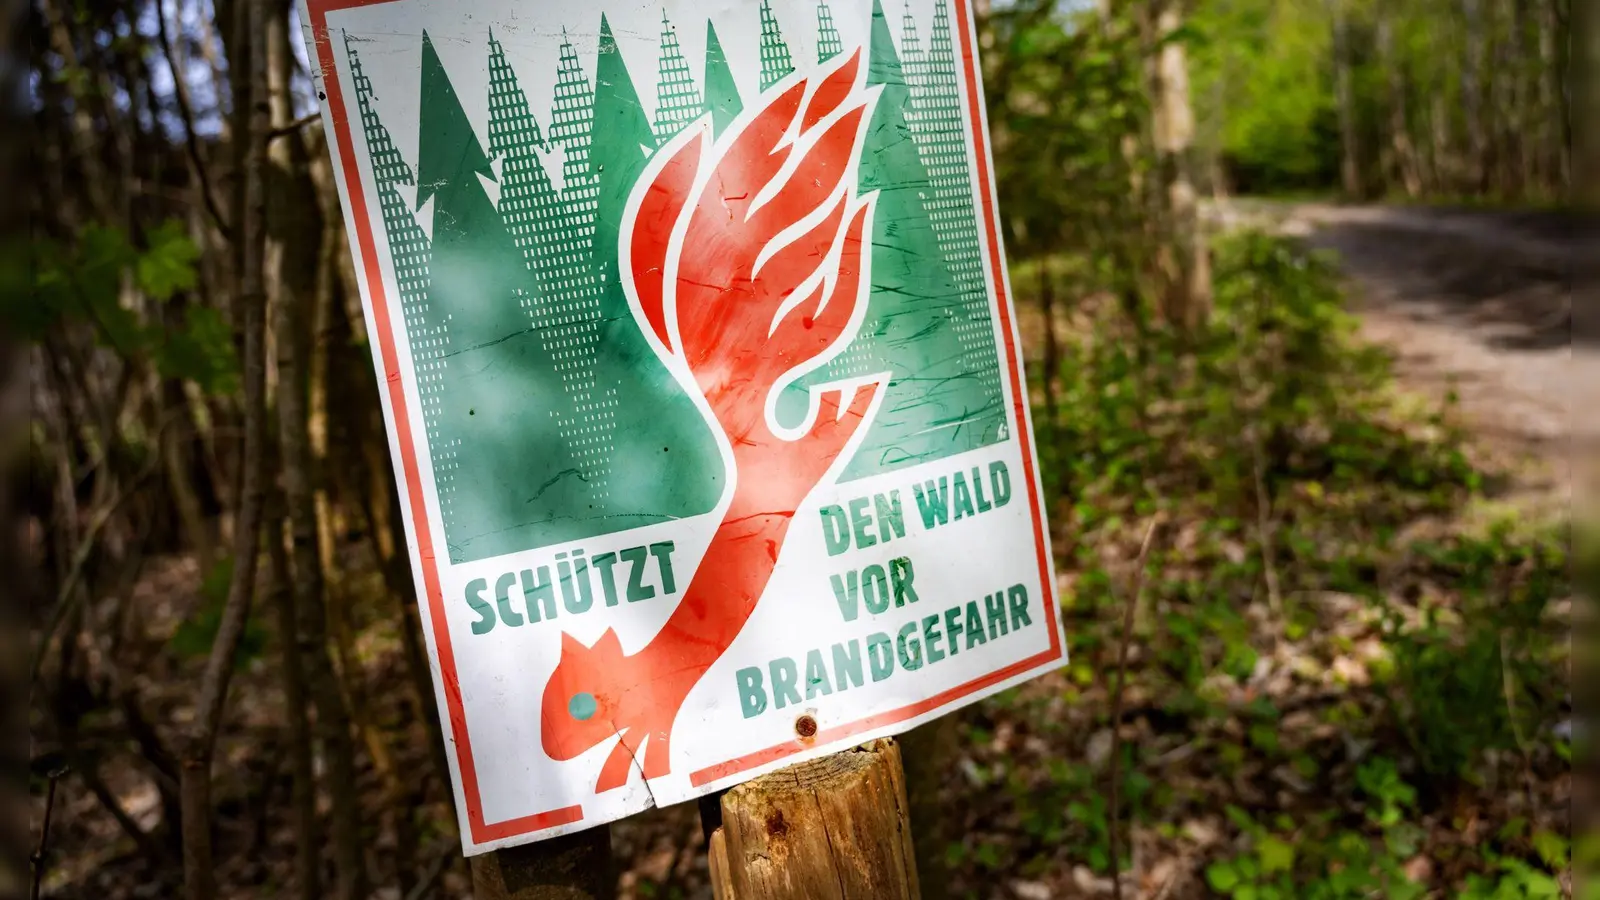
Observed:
{"x":1478,"y":302}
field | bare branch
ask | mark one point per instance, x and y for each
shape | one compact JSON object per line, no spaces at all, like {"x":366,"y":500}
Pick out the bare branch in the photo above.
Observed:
{"x":292,"y":127}
{"x":44,"y":833}
{"x":1130,"y":603}
{"x":180,"y":90}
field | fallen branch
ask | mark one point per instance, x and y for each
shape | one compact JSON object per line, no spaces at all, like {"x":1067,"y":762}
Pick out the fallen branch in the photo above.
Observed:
{"x":1130,"y":603}
{"x":37,"y":859}
{"x":431,"y":876}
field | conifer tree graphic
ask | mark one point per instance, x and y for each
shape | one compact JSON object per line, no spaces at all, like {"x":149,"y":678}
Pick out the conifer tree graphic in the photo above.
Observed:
{"x":722,"y":95}
{"x":547,"y":416}
{"x":677,"y":101}
{"x":776,"y":62}
{"x":529,"y":202}
{"x":529,"y":389}
{"x":938,"y":403}
{"x":567,"y":316}
{"x":428,"y":329}
{"x":671,"y":454}
{"x":912,"y":62}
{"x":940,"y":133}
{"x":501,"y":384}
{"x":829,"y":43}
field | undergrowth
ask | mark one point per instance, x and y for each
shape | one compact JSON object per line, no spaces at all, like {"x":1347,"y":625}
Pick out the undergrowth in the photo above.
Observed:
{"x":1353,"y":694}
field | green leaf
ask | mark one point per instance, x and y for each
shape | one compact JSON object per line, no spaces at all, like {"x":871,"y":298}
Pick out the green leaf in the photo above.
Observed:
{"x":1222,"y":877}
{"x":1552,"y":848}
{"x":1276,"y":855}
{"x":201,"y":351}
{"x":1240,"y":818}
{"x":167,"y":265}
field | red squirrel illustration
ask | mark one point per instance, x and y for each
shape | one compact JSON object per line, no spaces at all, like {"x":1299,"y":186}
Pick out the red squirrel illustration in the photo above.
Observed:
{"x":746,"y":258}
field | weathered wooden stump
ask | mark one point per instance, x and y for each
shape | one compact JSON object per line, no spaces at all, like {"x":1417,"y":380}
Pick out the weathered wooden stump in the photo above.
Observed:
{"x":835,"y":828}
{"x":571,"y":867}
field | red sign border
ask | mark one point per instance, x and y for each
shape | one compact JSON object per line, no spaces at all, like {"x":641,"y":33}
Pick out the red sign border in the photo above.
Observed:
{"x":484,"y":832}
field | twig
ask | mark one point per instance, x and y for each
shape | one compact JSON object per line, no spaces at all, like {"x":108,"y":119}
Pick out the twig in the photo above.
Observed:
{"x":1130,"y":603}
{"x":1258,"y":474}
{"x":429,"y":877}
{"x":68,"y":597}
{"x":1264,"y":533}
{"x":1507,"y":685}
{"x":180,"y":91}
{"x":44,"y":833}
{"x":294,"y":126}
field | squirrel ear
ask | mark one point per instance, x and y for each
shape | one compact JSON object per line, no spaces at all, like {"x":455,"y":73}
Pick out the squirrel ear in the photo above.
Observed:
{"x":570,"y":645}
{"x":609,"y":644}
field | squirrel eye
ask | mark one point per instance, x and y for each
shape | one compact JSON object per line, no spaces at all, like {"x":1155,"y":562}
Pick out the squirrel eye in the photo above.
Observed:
{"x":582,"y":706}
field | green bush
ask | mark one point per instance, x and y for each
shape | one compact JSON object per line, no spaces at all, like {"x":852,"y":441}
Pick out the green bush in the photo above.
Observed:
{"x":1476,"y":675}
{"x":1274,"y":384}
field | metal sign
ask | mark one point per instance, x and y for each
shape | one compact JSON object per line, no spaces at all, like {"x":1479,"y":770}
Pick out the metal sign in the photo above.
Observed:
{"x":701,"y":380}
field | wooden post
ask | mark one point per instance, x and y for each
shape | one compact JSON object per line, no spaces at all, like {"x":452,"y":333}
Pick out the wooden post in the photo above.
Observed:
{"x":571,"y":867}
{"x":835,"y":828}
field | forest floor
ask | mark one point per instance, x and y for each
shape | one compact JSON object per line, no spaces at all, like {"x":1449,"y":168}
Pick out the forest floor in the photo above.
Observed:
{"x":1254,"y":743}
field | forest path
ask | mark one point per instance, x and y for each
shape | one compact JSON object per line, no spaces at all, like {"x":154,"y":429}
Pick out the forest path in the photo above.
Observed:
{"x":1476,"y":302}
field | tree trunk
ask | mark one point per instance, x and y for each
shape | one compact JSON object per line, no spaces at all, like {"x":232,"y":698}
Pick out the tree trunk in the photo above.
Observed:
{"x":930,"y":755}
{"x":386,"y":530}
{"x":1350,"y":180}
{"x":1052,"y":348}
{"x":1547,"y":93}
{"x":1472,"y":97}
{"x":1184,"y":263}
{"x":176,"y":443}
{"x":1403,"y":156}
{"x":295,"y":223}
{"x":835,"y":828}
{"x":308,"y":831}
{"x":571,"y":867}
{"x":200,"y":743}
{"x":1505,"y":83}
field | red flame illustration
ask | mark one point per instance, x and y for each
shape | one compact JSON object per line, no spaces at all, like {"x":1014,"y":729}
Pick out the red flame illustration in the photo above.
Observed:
{"x":747,"y":259}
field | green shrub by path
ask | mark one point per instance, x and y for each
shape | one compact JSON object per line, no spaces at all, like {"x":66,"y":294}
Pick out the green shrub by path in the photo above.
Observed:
{"x":1274,"y":383}
{"x":1299,"y":625}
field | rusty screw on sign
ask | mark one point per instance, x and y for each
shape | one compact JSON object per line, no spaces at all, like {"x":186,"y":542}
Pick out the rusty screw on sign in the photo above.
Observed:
{"x":806,"y":727}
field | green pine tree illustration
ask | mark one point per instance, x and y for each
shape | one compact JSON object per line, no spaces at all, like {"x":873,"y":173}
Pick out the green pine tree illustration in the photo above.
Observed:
{"x":942,"y":138}
{"x":677,"y":101}
{"x":556,"y":249}
{"x":722,"y":95}
{"x":912,"y":61}
{"x":572,"y":130}
{"x":672,"y":465}
{"x":622,"y":142}
{"x":529,"y":202}
{"x":937,"y":403}
{"x":501,"y":389}
{"x":427,"y":329}
{"x":829,"y":43}
{"x":776,"y":63}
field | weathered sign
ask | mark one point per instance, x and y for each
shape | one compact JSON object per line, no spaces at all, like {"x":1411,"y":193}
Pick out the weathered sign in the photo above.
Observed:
{"x":701,"y":380}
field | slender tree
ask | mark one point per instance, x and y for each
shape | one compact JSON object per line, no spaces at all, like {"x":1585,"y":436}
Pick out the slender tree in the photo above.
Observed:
{"x":287,"y":268}
{"x":1183,"y":263}
{"x":296,"y":225}
{"x":200,"y":740}
{"x":1401,"y":152}
{"x":1350,"y":179}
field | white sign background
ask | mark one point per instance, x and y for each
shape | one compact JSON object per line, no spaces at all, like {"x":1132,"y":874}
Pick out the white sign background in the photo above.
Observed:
{"x":489,"y":686}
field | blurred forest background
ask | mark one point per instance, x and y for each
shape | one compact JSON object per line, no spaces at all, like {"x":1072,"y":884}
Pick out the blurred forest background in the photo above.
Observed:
{"x":1309,"y":508}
